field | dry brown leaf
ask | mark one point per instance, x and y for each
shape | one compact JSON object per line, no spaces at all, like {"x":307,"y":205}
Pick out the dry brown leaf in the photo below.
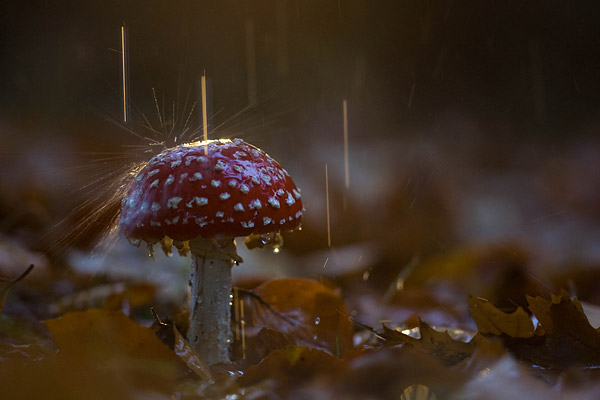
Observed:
{"x":306,"y":311}
{"x":438,"y":344}
{"x":567,"y":336}
{"x":489,"y":319}
{"x":258,"y":345}
{"x":101,"y":355}
{"x":292,"y":365}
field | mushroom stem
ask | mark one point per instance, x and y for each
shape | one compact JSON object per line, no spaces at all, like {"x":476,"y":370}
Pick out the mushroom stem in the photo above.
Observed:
{"x":209,"y":332}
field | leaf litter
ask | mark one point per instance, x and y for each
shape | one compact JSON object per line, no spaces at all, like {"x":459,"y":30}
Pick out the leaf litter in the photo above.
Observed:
{"x":299,"y":338}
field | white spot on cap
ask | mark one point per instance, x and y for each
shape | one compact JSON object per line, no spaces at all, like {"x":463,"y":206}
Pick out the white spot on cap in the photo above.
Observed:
{"x":175,"y":220}
{"x":175,"y":163}
{"x":201,"y":159}
{"x":215,"y":183}
{"x":238,"y":168}
{"x":239,"y":154}
{"x":244,"y":188}
{"x":154,"y":184}
{"x":282,"y":222}
{"x":182,"y":177}
{"x":189,"y":160}
{"x":139,"y":178}
{"x":232,"y":183}
{"x":290,"y":200}
{"x":144,"y":207}
{"x":267,"y":179}
{"x":255,"y":153}
{"x":200,"y":201}
{"x":267,"y":220}
{"x":201,"y":221}
{"x":196,"y":177}
{"x":153,"y":172}
{"x":248,"y":224}
{"x":154,"y":223}
{"x":274,"y":202}
{"x":219,"y":214}
{"x":285,"y":172}
{"x":238,"y":207}
{"x":298,"y":214}
{"x":173,"y":202}
{"x":296,"y":193}
{"x":255,"y":180}
{"x":155,"y":207}
{"x":128,"y":201}
{"x":170,"y":180}
{"x":224,"y":196}
{"x":255,"y":204}
{"x":280,"y":192}
{"x":220,"y":166}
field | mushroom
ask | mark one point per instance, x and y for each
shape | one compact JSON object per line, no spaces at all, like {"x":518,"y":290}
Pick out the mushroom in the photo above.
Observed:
{"x":200,"y":196}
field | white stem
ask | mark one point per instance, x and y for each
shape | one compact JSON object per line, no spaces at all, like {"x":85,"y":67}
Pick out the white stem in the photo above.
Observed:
{"x":210,"y":332}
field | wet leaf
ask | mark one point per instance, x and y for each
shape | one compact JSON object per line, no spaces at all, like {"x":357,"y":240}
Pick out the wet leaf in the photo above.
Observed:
{"x":101,"y":355}
{"x":258,"y":345}
{"x":567,"y":338}
{"x":432,"y":342}
{"x":306,"y":311}
{"x":292,"y":365}
{"x":23,"y":341}
{"x":489,"y":319}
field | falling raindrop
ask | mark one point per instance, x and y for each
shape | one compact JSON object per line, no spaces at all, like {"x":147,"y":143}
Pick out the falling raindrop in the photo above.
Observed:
{"x":317,"y":321}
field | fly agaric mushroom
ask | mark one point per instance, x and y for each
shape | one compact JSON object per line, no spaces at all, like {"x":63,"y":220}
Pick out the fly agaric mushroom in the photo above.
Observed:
{"x":205,"y":194}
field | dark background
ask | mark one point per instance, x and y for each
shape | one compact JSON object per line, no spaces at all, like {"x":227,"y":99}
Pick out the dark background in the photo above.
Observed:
{"x":468,"y":120}
{"x":514,"y":65}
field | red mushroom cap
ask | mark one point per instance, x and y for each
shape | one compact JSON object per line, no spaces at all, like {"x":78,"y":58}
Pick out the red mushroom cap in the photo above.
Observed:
{"x":215,"y":188}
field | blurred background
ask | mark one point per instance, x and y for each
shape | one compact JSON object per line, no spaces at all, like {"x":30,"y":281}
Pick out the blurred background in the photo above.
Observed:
{"x":472,"y":131}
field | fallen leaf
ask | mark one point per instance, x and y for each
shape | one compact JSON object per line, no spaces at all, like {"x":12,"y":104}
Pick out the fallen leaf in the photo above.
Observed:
{"x":566,"y":336}
{"x":304,"y":310}
{"x":101,"y":355}
{"x":432,"y":342}
{"x":291,"y":366}
{"x":258,"y":345}
{"x":489,"y":319}
{"x":23,"y":340}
